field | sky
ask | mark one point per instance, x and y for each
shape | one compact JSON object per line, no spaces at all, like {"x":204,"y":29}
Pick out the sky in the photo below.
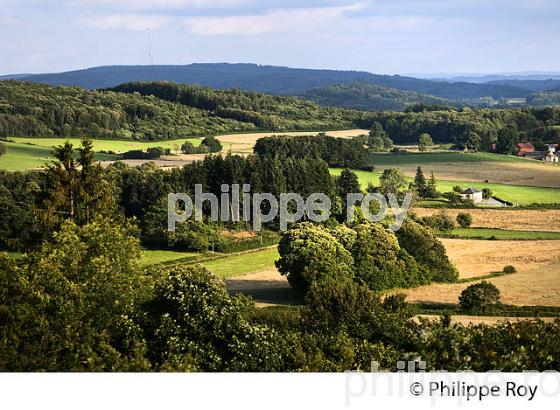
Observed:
{"x":379,"y":36}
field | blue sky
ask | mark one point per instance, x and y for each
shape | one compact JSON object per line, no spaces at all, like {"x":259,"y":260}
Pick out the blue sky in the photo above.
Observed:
{"x":383,"y":36}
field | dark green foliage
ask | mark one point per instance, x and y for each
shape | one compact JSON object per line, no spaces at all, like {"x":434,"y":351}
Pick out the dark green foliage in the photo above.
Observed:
{"x":192,"y":324}
{"x":479,"y":297}
{"x":509,"y":269}
{"x":378,"y":140}
{"x":475,"y":129}
{"x":440,"y":221}
{"x":336,"y":152}
{"x":309,"y":253}
{"x":68,"y":306}
{"x":150,"y":153}
{"x":254,"y":111}
{"x":211,"y":144}
{"x":140,"y":112}
{"x":428,"y":251}
{"x":506,"y":346}
{"x":369,"y":97}
{"x":343,"y":306}
{"x":464,"y":219}
{"x":347,"y":183}
{"x":2,"y":149}
{"x":381,"y":263}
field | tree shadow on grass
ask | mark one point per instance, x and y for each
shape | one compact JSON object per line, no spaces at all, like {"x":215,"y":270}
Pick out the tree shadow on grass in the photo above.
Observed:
{"x":269,"y":292}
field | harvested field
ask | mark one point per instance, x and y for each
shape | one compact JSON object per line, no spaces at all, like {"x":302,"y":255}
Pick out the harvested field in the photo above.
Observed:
{"x":546,"y":220}
{"x":244,"y":143}
{"x":479,"y":257}
{"x":486,"y":320}
{"x":525,"y":173}
{"x":537,"y":281}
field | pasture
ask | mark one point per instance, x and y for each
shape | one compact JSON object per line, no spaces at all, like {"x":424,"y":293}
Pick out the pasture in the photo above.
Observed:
{"x":518,"y":194}
{"x":502,"y":234}
{"x":22,"y":157}
{"x":473,"y":167}
{"x":117,"y":146}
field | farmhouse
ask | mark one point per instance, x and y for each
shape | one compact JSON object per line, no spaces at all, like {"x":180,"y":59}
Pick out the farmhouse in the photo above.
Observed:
{"x":523,"y":148}
{"x":526,"y":150}
{"x":473,"y":194}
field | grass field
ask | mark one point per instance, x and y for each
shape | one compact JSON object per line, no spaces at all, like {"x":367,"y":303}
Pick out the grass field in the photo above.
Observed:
{"x":153,"y":257}
{"x":503,"y":234}
{"x":439,"y":157}
{"x":21,"y":157}
{"x":245,"y":263}
{"x":474,"y":167}
{"x":522,"y":195}
{"x":109,"y":145}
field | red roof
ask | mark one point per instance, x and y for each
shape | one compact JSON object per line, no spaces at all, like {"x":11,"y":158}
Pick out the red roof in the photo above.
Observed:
{"x":524,"y":147}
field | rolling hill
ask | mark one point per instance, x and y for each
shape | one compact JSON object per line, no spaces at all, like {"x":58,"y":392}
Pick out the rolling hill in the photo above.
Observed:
{"x":269,"y":79}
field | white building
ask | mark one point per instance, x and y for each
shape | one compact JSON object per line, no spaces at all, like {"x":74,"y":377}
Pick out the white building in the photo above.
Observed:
{"x":473,"y":194}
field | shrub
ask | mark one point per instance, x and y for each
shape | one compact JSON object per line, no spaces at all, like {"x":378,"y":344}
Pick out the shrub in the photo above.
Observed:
{"x":479,"y":297}
{"x":2,"y":149}
{"x":464,"y":219}
{"x":509,"y":269}
{"x":440,"y":221}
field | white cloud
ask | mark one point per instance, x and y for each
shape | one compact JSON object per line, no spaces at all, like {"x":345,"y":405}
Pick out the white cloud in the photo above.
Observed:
{"x":273,"y":21}
{"x":143,"y":5}
{"x":134,"y":22}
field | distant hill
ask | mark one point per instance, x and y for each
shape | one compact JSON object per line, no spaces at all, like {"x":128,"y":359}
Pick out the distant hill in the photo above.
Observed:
{"x":270,"y":79}
{"x":40,"y":110}
{"x":371,"y":97}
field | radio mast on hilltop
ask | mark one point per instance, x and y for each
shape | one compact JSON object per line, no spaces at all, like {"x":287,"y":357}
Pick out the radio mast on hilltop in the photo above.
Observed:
{"x":150,"y":56}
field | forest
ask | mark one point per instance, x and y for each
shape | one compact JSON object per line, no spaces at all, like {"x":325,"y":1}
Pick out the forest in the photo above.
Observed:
{"x":37,"y":110}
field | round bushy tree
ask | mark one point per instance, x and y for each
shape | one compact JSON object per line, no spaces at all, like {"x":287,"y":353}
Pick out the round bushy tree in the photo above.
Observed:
{"x":381,"y":263}
{"x":428,"y":251}
{"x":464,"y":219}
{"x":479,"y":297}
{"x":309,"y":253}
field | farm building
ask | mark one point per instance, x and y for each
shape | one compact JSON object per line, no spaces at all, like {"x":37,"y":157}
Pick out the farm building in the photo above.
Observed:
{"x":523,"y":148}
{"x":473,"y":194}
{"x":549,"y":155}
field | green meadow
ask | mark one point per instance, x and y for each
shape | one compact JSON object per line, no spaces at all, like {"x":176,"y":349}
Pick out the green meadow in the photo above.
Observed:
{"x":522,"y":195}
{"x":439,"y":157}
{"x":117,"y":146}
{"x":244,"y":263}
{"x":21,"y":157}
{"x":487,"y":233}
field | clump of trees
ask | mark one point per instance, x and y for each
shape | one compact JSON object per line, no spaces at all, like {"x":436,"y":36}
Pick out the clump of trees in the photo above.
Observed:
{"x":369,"y":253}
{"x":336,"y":152}
{"x":209,"y":144}
{"x":425,"y":188}
{"x":150,"y":153}
{"x":378,"y":140}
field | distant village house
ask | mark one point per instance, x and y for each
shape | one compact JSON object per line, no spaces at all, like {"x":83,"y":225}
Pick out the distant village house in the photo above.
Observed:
{"x":473,"y":194}
{"x":527,"y":150}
